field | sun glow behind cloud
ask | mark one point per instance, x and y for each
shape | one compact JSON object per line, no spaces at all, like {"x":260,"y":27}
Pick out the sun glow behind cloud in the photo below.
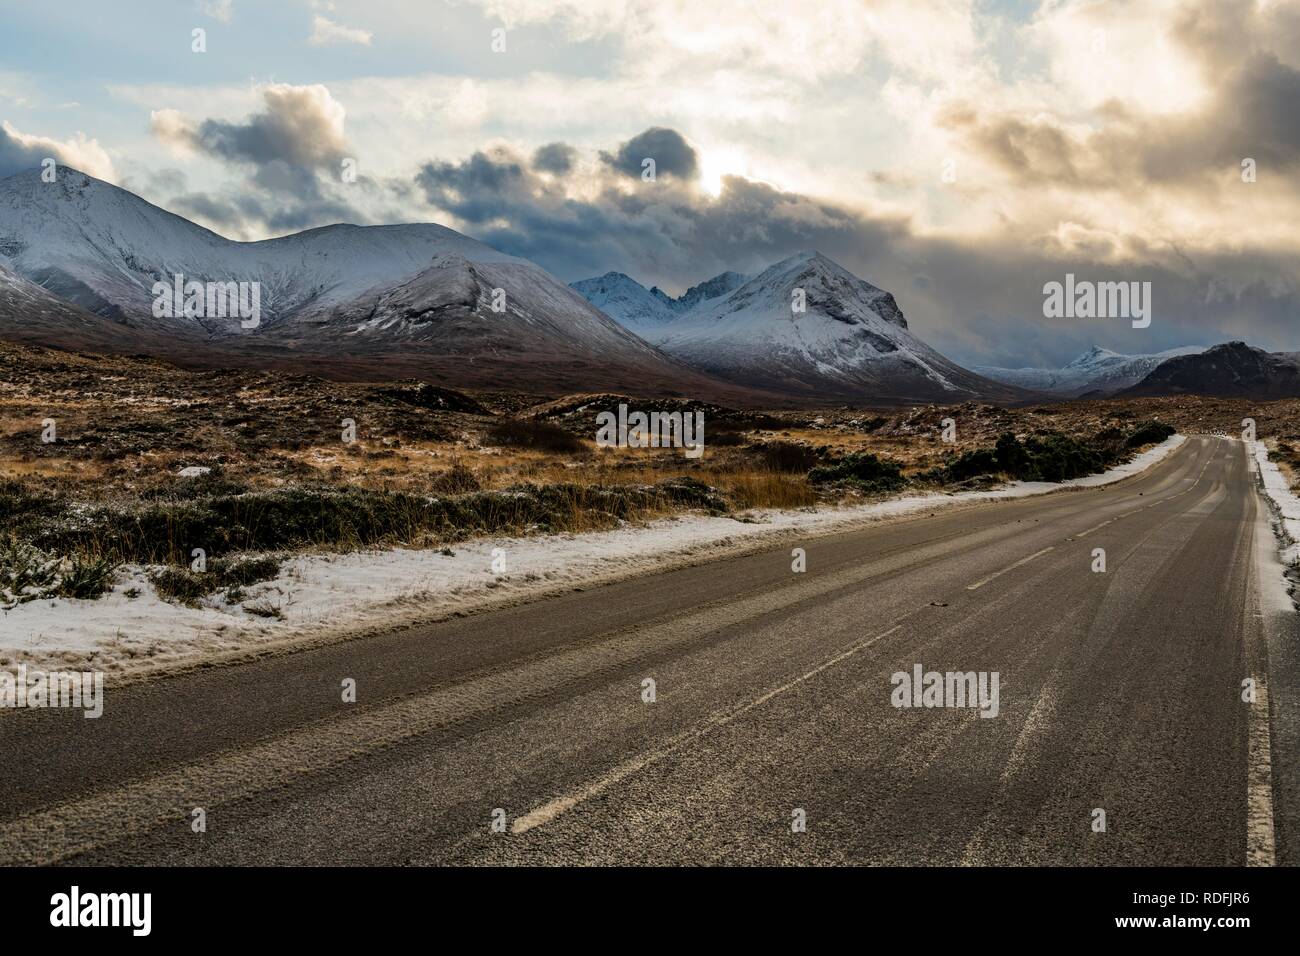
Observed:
{"x":1102,"y":52}
{"x":717,"y":162}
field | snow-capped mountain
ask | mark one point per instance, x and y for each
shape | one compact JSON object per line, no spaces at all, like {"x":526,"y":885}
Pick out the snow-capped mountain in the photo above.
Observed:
{"x":30,"y":313}
{"x":1230,"y":370}
{"x":103,"y":248}
{"x":627,"y":301}
{"x":415,"y":299}
{"x":707,"y":290}
{"x":643,"y":310}
{"x":850,"y":342}
{"x":452,"y":293}
{"x":1097,"y":370}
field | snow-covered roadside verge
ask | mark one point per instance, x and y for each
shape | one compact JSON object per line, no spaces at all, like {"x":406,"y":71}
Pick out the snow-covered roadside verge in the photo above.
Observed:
{"x":1283,"y":500}
{"x":329,"y":597}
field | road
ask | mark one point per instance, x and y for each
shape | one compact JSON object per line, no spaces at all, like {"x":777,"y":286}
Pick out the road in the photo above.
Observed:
{"x":1119,"y":691}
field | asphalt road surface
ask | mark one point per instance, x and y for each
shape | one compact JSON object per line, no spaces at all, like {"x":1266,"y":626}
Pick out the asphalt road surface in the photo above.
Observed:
{"x":523,"y":736}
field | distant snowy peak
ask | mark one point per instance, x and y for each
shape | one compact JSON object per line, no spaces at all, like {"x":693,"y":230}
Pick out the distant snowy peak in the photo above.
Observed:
{"x":1229,"y":370}
{"x":804,"y":312}
{"x":806,"y":324}
{"x":1096,"y":357}
{"x":643,"y":310}
{"x":626,"y":301}
{"x":1097,"y":370}
{"x":709,"y":289}
{"x":827,"y":289}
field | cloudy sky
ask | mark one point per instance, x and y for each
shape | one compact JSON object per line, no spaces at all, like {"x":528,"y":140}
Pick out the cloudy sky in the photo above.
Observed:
{"x":958,"y":153}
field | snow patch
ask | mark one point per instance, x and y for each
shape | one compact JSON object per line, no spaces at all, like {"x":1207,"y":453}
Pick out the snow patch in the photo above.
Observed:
{"x":1278,"y":491}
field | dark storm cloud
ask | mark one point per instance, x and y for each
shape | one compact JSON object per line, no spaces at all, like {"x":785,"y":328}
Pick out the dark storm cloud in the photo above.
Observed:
{"x":1250,"y":112}
{"x":663,"y":230}
{"x":673,"y":156}
{"x":482,"y":187}
{"x":1253,"y":115}
{"x":981,"y":301}
{"x":282,"y":178}
{"x":295,"y":218}
{"x":246,"y":214}
{"x":225,"y":217}
{"x":293,"y":153}
{"x":556,"y":158}
{"x":1265,"y":104}
{"x":300,"y":126}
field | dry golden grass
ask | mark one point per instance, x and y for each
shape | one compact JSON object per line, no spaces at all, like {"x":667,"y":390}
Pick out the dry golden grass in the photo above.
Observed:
{"x":53,"y":469}
{"x":250,"y":430}
{"x":414,"y":466}
{"x":913,"y":453}
{"x":131,"y":427}
{"x":766,"y":489}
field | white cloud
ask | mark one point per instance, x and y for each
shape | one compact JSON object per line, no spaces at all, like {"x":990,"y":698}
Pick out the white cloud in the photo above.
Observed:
{"x":79,"y":152}
{"x":1098,"y":52}
{"x":847,"y":101}
{"x":325,"y":32}
{"x":220,"y":10}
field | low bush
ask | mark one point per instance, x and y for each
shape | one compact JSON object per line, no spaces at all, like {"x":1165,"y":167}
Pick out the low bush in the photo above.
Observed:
{"x":86,"y":578}
{"x":1148,"y":433}
{"x":865,"y":471}
{"x":181,"y":585}
{"x":970,"y":464}
{"x":29,"y":573}
{"x":534,"y":434}
{"x":1049,"y":456}
{"x":20,"y":502}
{"x":188,"y":587}
{"x":26,"y":572}
{"x":724,"y":438}
{"x":289,"y":519}
{"x":457,"y":480}
{"x":785,"y":456}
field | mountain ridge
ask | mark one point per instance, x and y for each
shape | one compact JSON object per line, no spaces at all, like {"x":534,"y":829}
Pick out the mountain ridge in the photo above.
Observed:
{"x":1228,"y":370}
{"x":1097,"y":370}
{"x":345,"y":300}
{"x":850,"y":340}
{"x":420,"y":300}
